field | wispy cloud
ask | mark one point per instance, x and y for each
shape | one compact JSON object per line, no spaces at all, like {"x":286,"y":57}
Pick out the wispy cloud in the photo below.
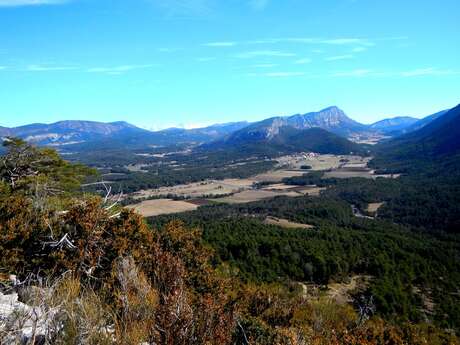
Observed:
{"x":422,"y":72}
{"x":429,"y":71}
{"x":116,"y":70}
{"x":266,"y":53}
{"x":354,"y":73}
{"x":16,"y":3}
{"x":205,"y":59}
{"x":265,"y":65}
{"x":220,"y":44}
{"x":43,"y":68}
{"x":302,"y":61}
{"x":359,"y":49}
{"x":277,"y":74}
{"x":258,"y":4}
{"x":348,"y":41}
{"x":2,"y":68}
{"x":339,"y":57}
{"x":284,"y":74}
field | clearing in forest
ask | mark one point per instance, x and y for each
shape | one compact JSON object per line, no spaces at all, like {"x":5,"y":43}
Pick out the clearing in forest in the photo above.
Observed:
{"x":150,"y":208}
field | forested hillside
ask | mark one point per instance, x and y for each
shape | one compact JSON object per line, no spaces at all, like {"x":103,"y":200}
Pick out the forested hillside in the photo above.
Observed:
{"x":111,"y":279}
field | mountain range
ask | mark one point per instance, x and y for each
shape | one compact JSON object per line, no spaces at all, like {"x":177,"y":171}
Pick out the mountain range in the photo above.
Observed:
{"x":439,"y":137}
{"x":394,"y":126}
{"x":84,"y":135}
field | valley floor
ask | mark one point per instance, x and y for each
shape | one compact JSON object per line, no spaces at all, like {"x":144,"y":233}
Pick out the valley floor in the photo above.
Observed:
{"x":188,"y":197}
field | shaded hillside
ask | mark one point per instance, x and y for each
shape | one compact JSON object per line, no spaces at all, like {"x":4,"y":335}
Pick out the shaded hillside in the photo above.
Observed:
{"x":394,"y":126}
{"x":425,"y":121}
{"x":331,"y":119}
{"x":441,"y":137}
{"x":286,"y":140}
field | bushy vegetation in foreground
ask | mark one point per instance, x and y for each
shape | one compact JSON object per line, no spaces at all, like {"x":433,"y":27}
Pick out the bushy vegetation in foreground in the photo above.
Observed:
{"x":110,"y":279}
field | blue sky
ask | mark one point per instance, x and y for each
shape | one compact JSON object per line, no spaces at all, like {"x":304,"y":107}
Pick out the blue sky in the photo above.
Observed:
{"x":160,"y":63}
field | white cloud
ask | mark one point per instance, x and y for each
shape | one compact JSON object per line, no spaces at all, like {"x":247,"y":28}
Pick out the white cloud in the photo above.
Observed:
{"x":284,"y":74}
{"x":359,"y":49}
{"x":116,"y":70}
{"x":348,"y":41}
{"x":265,"y":65}
{"x":15,"y":3}
{"x":353,"y":73}
{"x":41,"y":68}
{"x":220,"y":44}
{"x":277,"y":74}
{"x":429,"y":71}
{"x":205,"y":59}
{"x":258,"y":4}
{"x":259,"y":53}
{"x":302,"y":61}
{"x":339,"y":57}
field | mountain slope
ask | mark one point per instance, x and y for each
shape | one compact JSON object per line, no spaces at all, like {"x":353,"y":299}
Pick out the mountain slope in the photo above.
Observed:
{"x":440,"y":137}
{"x":284,"y":140}
{"x":331,"y":119}
{"x":4,"y":131}
{"x":82,"y":135}
{"x":425,"y":121}
{"x":70,"y":132}
{"x":395,"y":125}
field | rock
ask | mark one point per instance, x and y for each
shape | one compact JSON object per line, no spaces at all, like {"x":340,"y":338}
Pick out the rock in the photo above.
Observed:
{"x":20,"y":323}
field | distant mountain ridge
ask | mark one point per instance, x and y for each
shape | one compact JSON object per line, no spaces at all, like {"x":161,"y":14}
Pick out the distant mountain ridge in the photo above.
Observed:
{"x":331,"y":119}
{"x":440,"y":137}
{"x":284,"y":140}
{"x":394,"y":126}
{"x":85,"y":135}
{"x":71,"y":132}
{"x":82,"y":132}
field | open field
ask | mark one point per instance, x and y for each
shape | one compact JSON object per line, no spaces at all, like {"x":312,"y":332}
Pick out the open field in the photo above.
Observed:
{"x":374,"y":207}
{"x":199,"y":189}
{"x":284,"y":223}
{"x":356,"y":172}
{"x":309,"y":190}
{"x":275,"y":176}
{"x":320,"y":162}
{"x":255,"y":195}
{"x":235,"y":191}
{"x":150,"y":208}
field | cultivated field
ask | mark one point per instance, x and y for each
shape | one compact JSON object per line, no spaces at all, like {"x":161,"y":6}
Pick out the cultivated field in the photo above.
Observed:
{"x":254,"y":195}
{"x":352,"y":172}
{"x":199,"y":189}
{"x":320,"y":162}
{"x":309,"y":190}
{"x":275,"y":176}
{"x":235,"y":191}
{"x":150,"y":208}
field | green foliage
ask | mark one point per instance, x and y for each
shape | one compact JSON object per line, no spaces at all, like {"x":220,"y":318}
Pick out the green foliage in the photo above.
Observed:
{"x":33,"y":170}
{"x":340,"y":245}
